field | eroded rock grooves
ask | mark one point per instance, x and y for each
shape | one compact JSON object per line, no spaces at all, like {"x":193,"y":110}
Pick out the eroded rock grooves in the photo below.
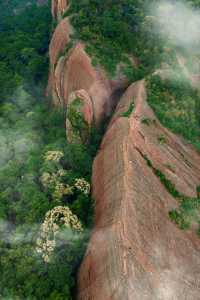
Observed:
{"x":72,"y":70}
{"x":58,"y":8}
{"x":135,"y":251}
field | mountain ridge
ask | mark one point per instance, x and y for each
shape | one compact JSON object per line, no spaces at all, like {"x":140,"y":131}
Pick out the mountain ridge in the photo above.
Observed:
{"x":141,"y":175}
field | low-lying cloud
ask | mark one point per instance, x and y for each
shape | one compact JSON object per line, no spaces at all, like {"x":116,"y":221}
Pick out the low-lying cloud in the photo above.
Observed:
{"x":178,"y":22}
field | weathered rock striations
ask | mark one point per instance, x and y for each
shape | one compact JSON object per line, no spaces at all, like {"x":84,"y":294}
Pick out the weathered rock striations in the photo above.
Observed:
{"x":59,"y":41}
{"x":73,"y":71}
{"x":135,"y":251}
{"x":58,"y":8}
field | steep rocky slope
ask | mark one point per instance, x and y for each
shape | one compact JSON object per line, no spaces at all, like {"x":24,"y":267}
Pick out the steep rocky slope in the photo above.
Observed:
{"x":58,"y":8}
{"x":72,"y":70}
{"x":135,"y":251}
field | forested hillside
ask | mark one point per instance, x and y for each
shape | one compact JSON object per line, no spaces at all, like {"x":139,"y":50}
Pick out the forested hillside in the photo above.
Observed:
{"x":38,"y":170}
{"x":24,"y":45}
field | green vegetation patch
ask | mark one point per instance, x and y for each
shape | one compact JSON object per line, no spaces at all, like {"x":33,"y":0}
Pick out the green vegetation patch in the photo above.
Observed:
{"x":148,"y":121}
{"x":189,"y":208}
{"x":162,"y":139}
{"x":115,"y":30}
{"x":39,"y":170}
{"x":25,"y":37}
{"x":177,"y":106}
{"x":129,"y":111}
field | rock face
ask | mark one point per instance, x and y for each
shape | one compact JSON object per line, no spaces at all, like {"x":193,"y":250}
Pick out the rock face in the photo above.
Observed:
{"x":59,"y":41}
{"x":135,"y":251}
{"x":73,"y":70}
{"x":58,"y":8}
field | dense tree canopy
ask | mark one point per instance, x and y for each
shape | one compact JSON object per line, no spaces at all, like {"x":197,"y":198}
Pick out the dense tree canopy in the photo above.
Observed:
{"x":31,"y":182}
{"x":23,"y":50}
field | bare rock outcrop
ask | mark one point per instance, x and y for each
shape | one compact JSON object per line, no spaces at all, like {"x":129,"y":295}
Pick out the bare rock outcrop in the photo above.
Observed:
{"x":59,"y":40}
{"x":71,"y":70}
{"x":135,"y":251}
{"x":58,"y":8}
{"x":74,"y":71}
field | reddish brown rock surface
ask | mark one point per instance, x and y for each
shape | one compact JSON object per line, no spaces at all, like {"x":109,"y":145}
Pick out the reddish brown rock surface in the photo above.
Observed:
{"x":58,"y":8}
{"x":135,"y":251}
{"x":72,"y":70}
{"x":75,"y":71}
{"x":59,"y":40}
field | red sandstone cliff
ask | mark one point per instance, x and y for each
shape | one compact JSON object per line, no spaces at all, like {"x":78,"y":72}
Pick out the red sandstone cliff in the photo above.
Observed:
{"x":135,"y":251}
{"x":72,"y":71}
{"x":58,"y":8}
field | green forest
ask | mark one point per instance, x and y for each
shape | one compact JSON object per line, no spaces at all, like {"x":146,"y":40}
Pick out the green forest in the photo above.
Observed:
{"x":40,"y":173}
